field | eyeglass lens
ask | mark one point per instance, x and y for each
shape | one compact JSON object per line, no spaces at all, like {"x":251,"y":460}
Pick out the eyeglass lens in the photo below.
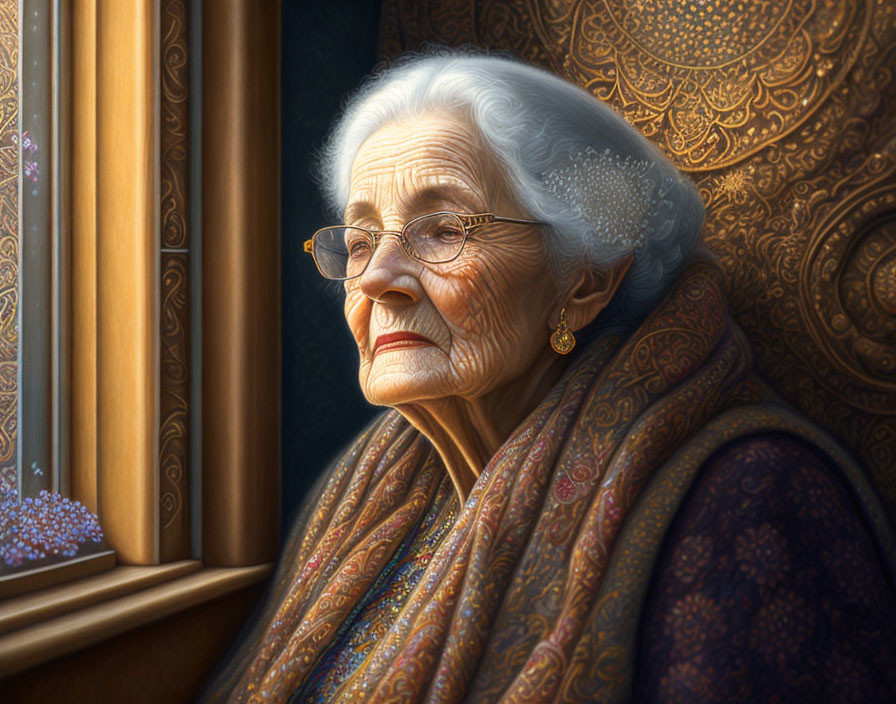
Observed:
{"x":345,"y":252}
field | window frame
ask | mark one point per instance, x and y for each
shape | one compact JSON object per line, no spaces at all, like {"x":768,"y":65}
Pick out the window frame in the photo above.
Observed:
{"x":114,"y":220}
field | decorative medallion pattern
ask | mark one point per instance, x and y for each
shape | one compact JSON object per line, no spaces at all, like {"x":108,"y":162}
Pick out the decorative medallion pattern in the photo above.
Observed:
{"x":785,"y":114}
{"x":712,"y":81}
{"x":846,"y":291}
{"x":9,"y":242}
{"x":174,"y":315}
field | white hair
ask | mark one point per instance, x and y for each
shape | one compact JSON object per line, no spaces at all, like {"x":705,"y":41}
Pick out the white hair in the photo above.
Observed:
{"x":570,"y":160}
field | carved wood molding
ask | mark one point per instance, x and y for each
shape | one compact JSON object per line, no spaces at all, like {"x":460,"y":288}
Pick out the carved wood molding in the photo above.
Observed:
{"x":174,"y":314}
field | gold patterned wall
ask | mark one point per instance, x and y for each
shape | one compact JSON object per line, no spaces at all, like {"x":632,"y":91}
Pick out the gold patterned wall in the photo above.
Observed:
{"x":9,"y":242}
{"x":784,"y":113}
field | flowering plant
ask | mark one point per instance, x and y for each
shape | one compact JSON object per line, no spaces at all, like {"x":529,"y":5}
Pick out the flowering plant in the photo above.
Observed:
{"x":29,"y":163}
{"x":45,"y":526}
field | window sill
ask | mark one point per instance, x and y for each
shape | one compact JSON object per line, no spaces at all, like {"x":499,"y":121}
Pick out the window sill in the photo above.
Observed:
{"x":29,"y":581}
{"x":42,"y":626}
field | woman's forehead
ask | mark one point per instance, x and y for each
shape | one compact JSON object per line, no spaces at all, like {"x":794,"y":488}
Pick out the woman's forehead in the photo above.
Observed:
{"x":435,"y":155}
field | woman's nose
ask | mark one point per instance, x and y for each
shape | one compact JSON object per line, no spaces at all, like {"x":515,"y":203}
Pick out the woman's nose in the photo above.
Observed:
{"x":391,"y":275}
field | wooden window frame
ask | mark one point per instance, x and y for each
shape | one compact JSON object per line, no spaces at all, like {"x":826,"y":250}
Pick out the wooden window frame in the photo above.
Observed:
{"x":117,"y":153}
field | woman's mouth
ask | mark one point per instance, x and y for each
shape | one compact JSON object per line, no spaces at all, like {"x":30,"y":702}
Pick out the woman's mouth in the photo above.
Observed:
{"x":399,"y":340}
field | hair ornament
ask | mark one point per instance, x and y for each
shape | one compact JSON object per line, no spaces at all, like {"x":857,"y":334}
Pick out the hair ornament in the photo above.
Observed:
{"x":614,"y":195}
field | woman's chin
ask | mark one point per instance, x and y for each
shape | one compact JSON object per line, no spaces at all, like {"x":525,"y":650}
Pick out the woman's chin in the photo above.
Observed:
{"x":395,"y":387}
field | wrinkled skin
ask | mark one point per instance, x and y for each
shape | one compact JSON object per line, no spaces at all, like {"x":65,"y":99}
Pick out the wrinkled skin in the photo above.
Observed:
{"x":487,"y":316}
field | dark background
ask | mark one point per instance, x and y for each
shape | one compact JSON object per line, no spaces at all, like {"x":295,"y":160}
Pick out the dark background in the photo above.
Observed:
{"x":328,"y":48}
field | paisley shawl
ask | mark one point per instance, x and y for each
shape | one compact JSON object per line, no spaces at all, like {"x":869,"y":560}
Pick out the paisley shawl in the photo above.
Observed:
{"x":534,"y":593}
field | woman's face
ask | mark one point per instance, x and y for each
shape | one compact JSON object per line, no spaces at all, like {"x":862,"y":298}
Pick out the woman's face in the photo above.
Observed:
{"x":461,"y":328}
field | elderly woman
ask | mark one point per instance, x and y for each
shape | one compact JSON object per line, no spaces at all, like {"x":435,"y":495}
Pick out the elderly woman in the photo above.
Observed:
{"x":582,"y":492}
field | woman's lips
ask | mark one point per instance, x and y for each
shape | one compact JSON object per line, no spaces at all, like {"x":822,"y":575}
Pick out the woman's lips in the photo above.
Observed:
{"x":398,"y":340}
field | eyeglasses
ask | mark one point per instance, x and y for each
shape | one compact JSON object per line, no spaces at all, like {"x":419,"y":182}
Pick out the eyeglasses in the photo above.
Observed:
{"x":342,"y":252}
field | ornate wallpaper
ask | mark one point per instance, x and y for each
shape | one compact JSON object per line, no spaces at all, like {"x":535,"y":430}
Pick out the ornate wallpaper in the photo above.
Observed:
{"x":9,"y":242}
{"x":784,"y":113}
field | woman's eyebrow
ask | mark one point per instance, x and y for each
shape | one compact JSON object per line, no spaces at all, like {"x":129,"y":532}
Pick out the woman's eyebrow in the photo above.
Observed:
{"x":359,"y":209}
{"x":453,"y":194}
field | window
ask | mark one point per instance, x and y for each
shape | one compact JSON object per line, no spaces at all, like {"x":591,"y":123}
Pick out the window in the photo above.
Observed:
{"x":138,"y":291}
{"x":39,"y":523}
{"x":105,"y":286}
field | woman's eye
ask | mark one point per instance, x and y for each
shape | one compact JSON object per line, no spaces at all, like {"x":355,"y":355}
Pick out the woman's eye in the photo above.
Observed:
{"x":449,"y":234}
{"x":358,"y":249}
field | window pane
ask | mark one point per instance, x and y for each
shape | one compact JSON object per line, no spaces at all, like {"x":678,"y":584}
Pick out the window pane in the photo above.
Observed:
{"x":36,"y":241}
{"x":38,"y":525}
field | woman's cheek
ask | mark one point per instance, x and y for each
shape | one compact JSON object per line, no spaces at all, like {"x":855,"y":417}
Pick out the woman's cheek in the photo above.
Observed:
{"x":357,"y":315}
{"x":459,"y":301}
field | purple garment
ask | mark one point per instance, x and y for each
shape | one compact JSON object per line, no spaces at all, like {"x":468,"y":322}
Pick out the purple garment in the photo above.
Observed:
{"x":769,"y":587}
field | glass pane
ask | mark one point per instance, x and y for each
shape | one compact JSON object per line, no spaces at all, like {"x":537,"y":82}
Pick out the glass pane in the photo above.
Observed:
{"x":37,"y":149}
{"x":38,"y":524}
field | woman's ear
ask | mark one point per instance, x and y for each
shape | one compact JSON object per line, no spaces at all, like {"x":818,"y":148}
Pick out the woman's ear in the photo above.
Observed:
{"x":590,"y":292}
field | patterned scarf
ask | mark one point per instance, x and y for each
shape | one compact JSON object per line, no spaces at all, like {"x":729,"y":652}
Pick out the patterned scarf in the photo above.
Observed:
{"x":523,"y":601}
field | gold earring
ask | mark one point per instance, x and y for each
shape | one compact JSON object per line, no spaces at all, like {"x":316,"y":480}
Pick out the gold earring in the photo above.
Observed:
{"x":563,"y":340}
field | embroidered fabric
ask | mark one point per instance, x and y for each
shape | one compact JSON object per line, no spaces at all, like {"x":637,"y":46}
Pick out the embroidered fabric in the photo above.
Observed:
{"x":374,"y":617}
{"x":768,"y":588}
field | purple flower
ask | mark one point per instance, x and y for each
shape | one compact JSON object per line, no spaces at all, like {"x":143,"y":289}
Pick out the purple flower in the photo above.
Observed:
{"x":28,"y":144}
{"x":47,"y":525}
{"x":31,"y":172}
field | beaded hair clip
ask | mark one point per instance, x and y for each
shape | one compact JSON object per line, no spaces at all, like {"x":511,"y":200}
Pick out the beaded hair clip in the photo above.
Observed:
{"x":612,"y":193}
